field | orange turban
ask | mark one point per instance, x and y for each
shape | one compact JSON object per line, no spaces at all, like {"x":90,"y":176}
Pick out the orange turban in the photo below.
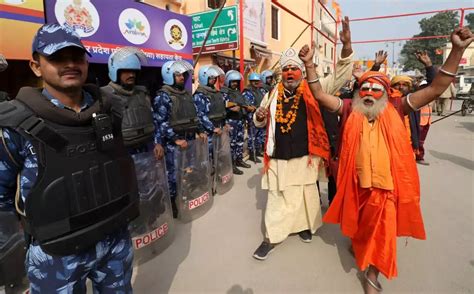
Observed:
{"x":376,"y":77}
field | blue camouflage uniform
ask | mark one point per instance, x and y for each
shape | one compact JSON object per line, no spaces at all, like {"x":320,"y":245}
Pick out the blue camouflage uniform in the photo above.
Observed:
{"x":256,"y":136}
{"x":108,"y":265}
{"x":161,"y":117}
{"x":236,"y":135}
{"x":203,"y":105}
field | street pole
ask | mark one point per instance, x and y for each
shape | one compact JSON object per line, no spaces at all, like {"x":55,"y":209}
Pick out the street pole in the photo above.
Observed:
{"x":209,"y":31}
{"x":241,"y":41}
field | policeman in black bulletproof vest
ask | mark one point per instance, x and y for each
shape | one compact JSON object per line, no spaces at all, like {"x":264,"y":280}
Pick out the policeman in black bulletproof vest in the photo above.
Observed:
{"x":137,"y":122}
{"x":77,"y":189}
{"x":176,"y":116}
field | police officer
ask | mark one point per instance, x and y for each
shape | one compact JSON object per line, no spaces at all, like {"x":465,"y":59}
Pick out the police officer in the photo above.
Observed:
{"x":209,"y":102}
{"x":211,"y":110}
{"x":235,"y":104}
{"x":137,"y":124}
{"x":77,"y":192}
{"x":267,"y":81}
{"x":254,"y":96}
{"x":175,"y":114}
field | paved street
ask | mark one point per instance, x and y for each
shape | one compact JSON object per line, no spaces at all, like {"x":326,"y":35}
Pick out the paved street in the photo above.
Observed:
{"x":214,"y":253}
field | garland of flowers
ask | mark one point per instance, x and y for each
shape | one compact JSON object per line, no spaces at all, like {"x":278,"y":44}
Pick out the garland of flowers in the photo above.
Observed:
{"x":290,"y":117}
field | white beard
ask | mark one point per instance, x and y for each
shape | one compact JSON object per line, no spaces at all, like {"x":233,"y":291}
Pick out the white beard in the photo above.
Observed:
{"x":371,"y":112}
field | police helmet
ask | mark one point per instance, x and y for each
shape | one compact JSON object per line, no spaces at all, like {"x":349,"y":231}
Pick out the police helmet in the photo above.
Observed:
{"x":254,"y":77}
{"x":232,"y":75}
{"x":174,"y":66}
{"x":266,"y":74}
{"x":130,"y":58}
{"x":207,"y":71}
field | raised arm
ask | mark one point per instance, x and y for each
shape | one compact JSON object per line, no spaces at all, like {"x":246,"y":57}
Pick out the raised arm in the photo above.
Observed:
{"x":332,"y":103}
{"x":460,"y":38}
{"x":342,"y":73}
{"x":379,"y":60}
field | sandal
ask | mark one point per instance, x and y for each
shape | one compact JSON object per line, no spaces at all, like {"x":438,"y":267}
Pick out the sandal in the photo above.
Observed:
{"x":376,"y":285}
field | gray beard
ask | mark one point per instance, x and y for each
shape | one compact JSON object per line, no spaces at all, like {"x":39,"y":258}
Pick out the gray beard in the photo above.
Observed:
{"x":291,"y":87}
{"x":371,"y":112}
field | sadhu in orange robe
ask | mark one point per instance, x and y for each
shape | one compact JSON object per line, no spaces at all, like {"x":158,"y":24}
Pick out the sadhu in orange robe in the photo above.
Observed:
{"x":378,"y":196}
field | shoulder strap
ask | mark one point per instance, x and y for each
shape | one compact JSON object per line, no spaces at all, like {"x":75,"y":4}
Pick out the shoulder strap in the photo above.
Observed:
{"x":14,"y":114}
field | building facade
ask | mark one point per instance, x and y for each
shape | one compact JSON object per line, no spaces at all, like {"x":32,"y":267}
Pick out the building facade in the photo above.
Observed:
{"x":269,"y":29}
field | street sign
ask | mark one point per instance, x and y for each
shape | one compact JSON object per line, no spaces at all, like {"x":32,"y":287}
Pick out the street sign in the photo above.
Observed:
{"x":224,"y":34}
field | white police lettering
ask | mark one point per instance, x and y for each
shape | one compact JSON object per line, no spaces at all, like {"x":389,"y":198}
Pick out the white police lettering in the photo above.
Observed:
{"x":107,"y":137}
{"x":148,"y":238}
{"x":226,"y":178}
{"x":198,"y":201}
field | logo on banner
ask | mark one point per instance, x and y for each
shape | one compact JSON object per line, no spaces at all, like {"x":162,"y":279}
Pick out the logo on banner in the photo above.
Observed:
{"x":79,"y":15}
{"x":176,"y":34}
{"x":134,"y":26}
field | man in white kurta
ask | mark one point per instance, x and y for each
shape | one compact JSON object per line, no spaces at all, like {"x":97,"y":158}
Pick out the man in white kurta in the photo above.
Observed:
{"x":292,"y":159}
{"x":293,"y":204}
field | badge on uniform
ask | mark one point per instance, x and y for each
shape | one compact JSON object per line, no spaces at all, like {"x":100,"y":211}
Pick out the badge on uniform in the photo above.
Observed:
{"x":102,"y":124}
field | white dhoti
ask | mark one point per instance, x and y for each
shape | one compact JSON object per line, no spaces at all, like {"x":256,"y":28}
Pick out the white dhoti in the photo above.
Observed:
{"x":293,"y":197}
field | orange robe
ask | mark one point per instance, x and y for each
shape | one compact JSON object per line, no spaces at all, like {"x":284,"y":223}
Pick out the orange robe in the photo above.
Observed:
{"x":376,"y":201}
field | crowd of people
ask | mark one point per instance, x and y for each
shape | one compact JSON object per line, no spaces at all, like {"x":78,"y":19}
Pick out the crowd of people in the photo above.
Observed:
{"x":67,"y":168}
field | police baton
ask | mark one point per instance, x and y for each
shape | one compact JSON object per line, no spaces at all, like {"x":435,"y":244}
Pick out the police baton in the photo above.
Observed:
{"x":446,"y":116}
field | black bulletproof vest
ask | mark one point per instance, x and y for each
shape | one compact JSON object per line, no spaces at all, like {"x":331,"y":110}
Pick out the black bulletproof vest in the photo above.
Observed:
{"x":293,"y":144}
{"x":183,"y":112}
{"x":81,"y":194}
{"x":217,"y":111}
{"x":236,"y":97}
{"x":137,"y":118}
{"x":257,"y":94}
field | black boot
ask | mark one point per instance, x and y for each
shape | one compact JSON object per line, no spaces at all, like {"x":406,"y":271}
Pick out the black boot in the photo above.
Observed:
{"x":254,"y":158}
{"x":241,"y":163}
{"x":259,"y":153}
{"x":236,"y":171}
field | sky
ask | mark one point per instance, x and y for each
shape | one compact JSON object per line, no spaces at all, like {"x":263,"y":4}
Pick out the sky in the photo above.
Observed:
{"x":390,"y":28}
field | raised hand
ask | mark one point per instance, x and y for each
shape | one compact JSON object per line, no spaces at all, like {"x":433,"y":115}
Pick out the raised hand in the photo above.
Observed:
{"x":423,"y":57}
{"x":462,"y":37}
{"x":306,"y":53}
{"x":380,"y":57}
{"x":345,"y":34}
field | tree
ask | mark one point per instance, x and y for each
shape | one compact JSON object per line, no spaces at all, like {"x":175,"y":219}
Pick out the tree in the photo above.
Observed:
{"x":440,"y":24}
{"x":470,"y":21}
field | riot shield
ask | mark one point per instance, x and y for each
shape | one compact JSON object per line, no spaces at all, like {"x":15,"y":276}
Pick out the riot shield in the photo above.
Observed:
{"x":223,"y":175}
{"x":153,"y":231}
{"x":12,"y":251}
{"x":193,"y":180}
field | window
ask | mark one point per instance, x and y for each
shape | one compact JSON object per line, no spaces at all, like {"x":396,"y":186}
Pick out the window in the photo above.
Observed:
{"x":214,"y":4}
{"x":325,"y":50}
{"x":275,"y":23}
{"x":320,"y":14}
{"x":332,"y":53}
